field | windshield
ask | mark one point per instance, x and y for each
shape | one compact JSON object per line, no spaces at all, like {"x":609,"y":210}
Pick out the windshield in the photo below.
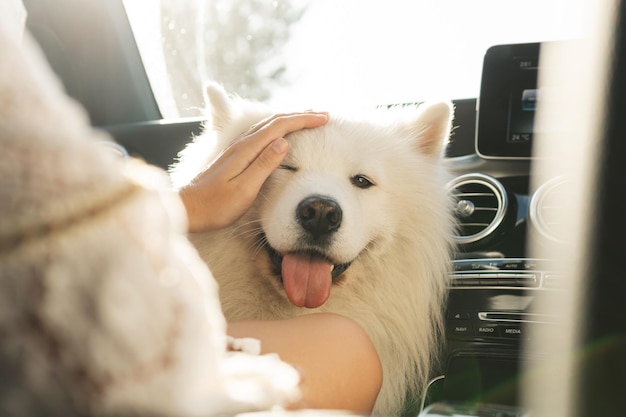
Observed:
{"x":328,"y":52}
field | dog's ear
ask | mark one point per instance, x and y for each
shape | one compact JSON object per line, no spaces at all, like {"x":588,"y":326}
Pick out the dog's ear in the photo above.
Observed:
{"x":218,"y":103}
{"x":432,"y":127}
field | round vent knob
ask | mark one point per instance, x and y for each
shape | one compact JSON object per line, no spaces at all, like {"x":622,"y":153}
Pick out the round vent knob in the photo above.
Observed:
{"x":546,"y":204}
{"x":481,"y":206}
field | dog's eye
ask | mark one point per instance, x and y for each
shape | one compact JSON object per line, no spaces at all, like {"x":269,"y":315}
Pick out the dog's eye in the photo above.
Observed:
{"x":287,"y":167}
{"x":361,"y":181}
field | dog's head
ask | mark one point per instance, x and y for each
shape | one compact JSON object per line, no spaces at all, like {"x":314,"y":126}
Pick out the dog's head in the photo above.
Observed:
{"x":343,"y":191}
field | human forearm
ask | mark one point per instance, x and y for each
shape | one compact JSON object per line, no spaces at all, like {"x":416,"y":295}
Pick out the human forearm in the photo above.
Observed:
{"x":339,"y":364}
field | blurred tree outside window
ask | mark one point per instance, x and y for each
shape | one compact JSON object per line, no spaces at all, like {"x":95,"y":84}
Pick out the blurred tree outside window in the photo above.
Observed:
{"x":237,"y":43}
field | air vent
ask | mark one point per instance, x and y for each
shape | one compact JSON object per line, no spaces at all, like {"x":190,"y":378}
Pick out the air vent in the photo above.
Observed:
{"x":481,"y":205}
{"x":546,"y":208}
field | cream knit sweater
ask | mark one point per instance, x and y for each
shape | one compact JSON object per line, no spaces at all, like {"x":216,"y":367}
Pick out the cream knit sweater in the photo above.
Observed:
{"x":105,"y":307}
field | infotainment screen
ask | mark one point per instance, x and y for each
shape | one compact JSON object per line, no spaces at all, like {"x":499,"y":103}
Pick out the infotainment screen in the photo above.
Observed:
{"x":507,"y":101}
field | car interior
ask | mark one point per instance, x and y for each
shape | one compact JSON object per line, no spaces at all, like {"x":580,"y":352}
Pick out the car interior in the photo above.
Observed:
{"x":534,"y":316}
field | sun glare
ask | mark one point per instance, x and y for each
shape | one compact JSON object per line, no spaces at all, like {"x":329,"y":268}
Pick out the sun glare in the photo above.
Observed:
{"x":353,"y":52}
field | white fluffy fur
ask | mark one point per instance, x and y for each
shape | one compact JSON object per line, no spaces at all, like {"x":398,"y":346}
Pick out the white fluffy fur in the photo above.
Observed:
{"x":398,"y":232}
{"x":105,"y":307}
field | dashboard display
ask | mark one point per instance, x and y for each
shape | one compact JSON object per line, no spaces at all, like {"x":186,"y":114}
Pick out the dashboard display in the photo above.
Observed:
{"x":508,"y":100}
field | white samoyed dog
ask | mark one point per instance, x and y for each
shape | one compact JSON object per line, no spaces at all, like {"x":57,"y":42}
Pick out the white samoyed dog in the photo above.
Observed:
{"x":360,"y":206}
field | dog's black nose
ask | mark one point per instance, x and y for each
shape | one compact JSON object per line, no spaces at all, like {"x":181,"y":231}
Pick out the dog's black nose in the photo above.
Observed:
{"x":319,"y":215}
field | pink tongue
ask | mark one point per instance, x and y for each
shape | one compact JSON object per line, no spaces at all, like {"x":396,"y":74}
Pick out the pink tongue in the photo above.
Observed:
{"x":307,"y":280}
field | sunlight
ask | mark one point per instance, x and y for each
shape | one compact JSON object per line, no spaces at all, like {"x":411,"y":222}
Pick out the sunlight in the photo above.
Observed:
{"x":353,"y":52}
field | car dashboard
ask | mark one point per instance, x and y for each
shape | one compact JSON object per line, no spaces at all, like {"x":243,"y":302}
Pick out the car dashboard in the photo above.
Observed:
{"x":495,"y":279}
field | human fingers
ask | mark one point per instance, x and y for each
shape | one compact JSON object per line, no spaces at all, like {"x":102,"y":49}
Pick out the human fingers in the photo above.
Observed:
{"x":253,"y":177}
{"x":287,"y":123}
{"x":281,"y":116}
{"x":227,"y":199}
{"x":247,"y":149}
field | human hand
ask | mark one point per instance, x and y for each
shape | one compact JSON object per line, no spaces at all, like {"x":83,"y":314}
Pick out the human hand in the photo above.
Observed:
{"x":222,"y":193}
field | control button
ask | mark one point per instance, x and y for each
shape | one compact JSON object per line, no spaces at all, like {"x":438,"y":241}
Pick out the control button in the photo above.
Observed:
{"x":553,"y":281}
{"x":460,"y":328}
{"x":470,"y":282}
{"x":458,"y":315}
{"x":506,"y":283}
{"x":513,"y":331}
{"x":526,"y":281}
{"x":461,"y":266}
{"x":464,"y":266}
{"x":530,"y":264}
{"x":511,"y":276}
{"x":476,"y":266}
{"x":507,"y":279}
{"x":487,"y":330}
{"x":513,"y":264}
{"x":488,"y":279}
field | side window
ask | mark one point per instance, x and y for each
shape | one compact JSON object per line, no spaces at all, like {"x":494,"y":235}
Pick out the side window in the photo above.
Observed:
{"x":326,"y":52}
{"x":239,"y":43}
